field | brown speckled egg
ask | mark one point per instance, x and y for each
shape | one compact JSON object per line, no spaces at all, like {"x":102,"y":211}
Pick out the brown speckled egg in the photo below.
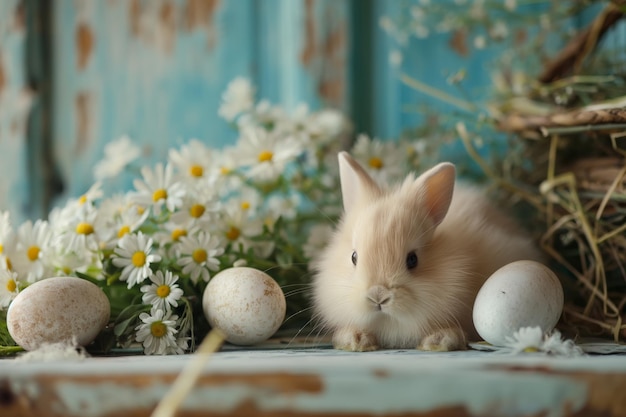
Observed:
{"x":57,"y":310}
{"x":245,"y":303}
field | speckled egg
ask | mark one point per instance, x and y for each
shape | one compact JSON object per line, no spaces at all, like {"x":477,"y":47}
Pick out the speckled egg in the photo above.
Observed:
{"x":245,"y":303}
{"x":520,"y":294}
{"x":57,"y":310}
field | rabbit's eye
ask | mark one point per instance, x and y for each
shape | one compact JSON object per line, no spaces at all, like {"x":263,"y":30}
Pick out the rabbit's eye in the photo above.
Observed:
{"x":411,"y":260}
{"x":354,"y":258}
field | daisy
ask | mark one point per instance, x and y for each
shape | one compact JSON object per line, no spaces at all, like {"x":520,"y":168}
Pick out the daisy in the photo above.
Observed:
{"x":163,"y":293}
{"x":197,"y":209}
{"x":198,"y":255}
{"x":33,"y":241}
{"x":117,"y":155}
{"x":284,"y":206}
{"x":238,"y":226}
{"x":134,"y":254}
{"x":158,"y":189}
{"x":265,"y":154}
{"x":7,"y":239}
{"x":157,"y":332}
{"x":385,"y":161}
{"x":192,"y":162}
{"x":223,"y":176}
{"x":78,"y":232}
{"x":8,"y":287}
{"x":533,"y":339}
{"x":238,"y":98}
{"x":118,"y":218}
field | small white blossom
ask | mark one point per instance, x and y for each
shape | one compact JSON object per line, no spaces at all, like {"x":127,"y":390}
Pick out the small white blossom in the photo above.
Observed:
{"x":238,"y":98}
{"x":198,"y":255}
{"x":266,"y":155}
{"x":385,"y":161}
{"x":117,"y":155}
{"x":157,"y":332}
{"x":163,"y":293}
{"x":192,"y":162}
{"x":8,"y":287}
{"x":134,"y":255}
{"x":158,"y":189}
{"x":33,"y":242}
{"x":533,"y":339}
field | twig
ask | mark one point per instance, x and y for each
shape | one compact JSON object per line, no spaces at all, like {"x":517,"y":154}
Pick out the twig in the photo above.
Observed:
{"x":571,"y":57}
{"x":188,"y":377}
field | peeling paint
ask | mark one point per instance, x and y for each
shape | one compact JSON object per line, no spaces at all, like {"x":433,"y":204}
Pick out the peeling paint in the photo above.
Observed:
{"x":83,"y":114}
{"x":168,"y":26}
{"x":324,"y":53}
{"x":84,"y":45}
{"x":200,"y":14}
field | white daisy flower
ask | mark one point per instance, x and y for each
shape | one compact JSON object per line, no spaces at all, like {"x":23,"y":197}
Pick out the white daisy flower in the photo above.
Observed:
{"x":284,"y":206}
{"x":223,"y":175}
{"x":117,"y":155}
{"x":238,"y":226}
{"x":7,"y":239}
{"x":385,"y":161}
{"x":118,"y":218}
{"x":238,"y":98}
{"x":158,"y":189}
{"x":192,"y":162}
{"x":8,"y":287}
{"x":163,"y":293}
{"x":157,"y":332}
{"x":533,"y":339}
{"x":197,"y":209}
{"x":266,"y":155}
{"x":198,"y":255}
{"x":134,"y":254}
{"x":33,"y":241}
{"x":78,"y":232}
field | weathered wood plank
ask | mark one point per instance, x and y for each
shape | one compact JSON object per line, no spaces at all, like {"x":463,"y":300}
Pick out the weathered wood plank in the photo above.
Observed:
{"x":323,"y":383}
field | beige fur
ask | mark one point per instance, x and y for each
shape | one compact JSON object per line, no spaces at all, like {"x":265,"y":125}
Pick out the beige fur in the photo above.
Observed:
{"x":459,"y":237}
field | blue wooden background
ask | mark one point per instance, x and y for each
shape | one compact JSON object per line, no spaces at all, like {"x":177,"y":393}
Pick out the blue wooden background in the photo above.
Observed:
{"x":76,"y":74}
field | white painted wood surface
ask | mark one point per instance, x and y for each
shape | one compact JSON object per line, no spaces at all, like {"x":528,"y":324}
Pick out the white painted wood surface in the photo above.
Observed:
{"x":323,"y":382}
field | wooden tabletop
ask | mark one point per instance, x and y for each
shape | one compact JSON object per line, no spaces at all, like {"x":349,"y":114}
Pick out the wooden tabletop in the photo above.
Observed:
{"x":294,"y":381}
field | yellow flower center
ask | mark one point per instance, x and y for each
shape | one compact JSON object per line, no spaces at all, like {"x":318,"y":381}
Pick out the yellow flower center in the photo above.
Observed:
{"x":266,"y":156}
{"x":196,"y":171}
{"x":84,"y":229}
{"x":1,"y":248}
{"x":33,"y":253}
{"x":225,"y":170}
{"x":376,"y":162}
{"x":141,"y":210}
{"x":158,"y":329}
{"x":139,"y":259}
{"x":9,"y":264}
{"x":233,"y":233}
{"x":177,"y":233}
{"x":199,"y":256}
{"x":11,"y":285}
{"x":197,"y":210}
{"x":163,"y":291}
{"x":66,"y":270}
{"x":245,"y":205}
{"x":82,"y":200}
{"x":531,"y":349}
{"x":124,"y":230}
{"x":160,"y":194}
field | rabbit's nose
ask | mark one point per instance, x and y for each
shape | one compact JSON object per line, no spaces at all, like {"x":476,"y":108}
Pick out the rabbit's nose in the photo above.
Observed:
{"x":379,"y":296}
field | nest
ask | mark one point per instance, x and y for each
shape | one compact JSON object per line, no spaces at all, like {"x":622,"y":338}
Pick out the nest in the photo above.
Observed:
{"x":570,"y":174}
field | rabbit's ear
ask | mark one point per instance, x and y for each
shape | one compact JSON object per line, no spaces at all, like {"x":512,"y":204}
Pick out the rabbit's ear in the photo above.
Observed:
{"x":434,"y":189}
{"x":356,"y":183}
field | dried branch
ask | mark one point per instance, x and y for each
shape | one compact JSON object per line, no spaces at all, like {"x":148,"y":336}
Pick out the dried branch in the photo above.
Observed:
{"x":571,"y":57}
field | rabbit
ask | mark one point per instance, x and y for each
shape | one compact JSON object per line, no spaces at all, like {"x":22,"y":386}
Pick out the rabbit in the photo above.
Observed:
{"x":405,"y":263}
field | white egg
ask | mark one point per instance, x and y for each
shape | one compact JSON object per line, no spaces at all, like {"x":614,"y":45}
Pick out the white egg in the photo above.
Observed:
{"x":520,"y":294}
{"x":245,"y":303}
{"x":58,"y":310}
